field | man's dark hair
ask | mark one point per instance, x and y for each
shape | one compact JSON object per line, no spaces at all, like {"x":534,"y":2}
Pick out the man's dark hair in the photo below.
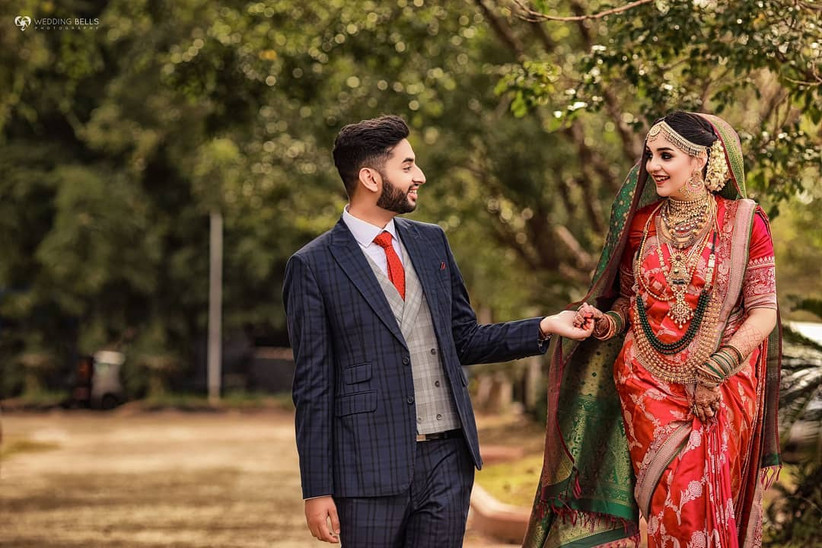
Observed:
{"x":366,"y":144}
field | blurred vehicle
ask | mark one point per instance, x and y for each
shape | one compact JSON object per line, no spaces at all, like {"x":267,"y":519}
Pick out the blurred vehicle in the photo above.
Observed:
{"x":106,"y":388}
{"x":81,"y":391}
{"x":97,"y":381}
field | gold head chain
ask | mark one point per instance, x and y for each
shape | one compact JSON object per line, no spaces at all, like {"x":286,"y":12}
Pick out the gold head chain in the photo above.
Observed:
{"x":717,"y":172}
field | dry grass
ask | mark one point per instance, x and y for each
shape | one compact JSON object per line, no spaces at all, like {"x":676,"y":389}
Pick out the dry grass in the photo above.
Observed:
{"x":131,"y":478}
{"x":512,"y":482}
{"x":156,"y":479}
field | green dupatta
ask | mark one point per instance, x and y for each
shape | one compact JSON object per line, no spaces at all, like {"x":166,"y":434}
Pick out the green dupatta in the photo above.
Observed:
{"x":586,"y":492}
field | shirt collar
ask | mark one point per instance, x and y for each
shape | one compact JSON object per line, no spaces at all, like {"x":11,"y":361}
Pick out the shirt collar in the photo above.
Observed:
{"x":363,"y":231}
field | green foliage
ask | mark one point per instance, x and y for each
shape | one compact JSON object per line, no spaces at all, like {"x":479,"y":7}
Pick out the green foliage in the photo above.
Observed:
{"x":801,"y":386}
{"x":798,"y":241}
{"x":755,"y":63}
{"x":811,"y":305}
{"x":794,"y":518}
{"x":118,"y":143}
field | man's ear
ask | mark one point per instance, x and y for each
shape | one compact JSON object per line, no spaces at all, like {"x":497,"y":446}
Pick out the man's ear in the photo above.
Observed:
{"x":370,"y":179}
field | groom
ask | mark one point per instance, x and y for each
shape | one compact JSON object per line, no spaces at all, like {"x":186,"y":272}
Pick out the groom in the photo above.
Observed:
{"x":380,"y":325}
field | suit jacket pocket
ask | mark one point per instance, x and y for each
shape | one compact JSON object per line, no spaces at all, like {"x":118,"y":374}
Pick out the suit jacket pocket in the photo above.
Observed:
{"x":360,"y":372}
{"x":361,"y":402}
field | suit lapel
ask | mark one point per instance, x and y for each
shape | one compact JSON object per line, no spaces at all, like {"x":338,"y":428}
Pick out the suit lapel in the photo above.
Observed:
{"x":423,"y":260}
{"x":349,"y":256}
{"x":413,"y":294}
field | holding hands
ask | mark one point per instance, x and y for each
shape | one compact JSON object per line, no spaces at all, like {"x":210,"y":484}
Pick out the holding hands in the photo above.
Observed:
{"x":565,"y":325}
{"x":604,"y":325}
{"x":587,"y":316}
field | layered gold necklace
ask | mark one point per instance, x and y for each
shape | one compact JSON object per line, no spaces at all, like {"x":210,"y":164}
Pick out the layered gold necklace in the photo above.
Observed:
{"x":679,"y":275}
{"x":683,"y":221}
{"x":695,"y":223}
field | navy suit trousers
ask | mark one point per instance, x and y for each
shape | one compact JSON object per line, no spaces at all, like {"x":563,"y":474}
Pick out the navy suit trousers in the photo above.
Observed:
{"x":430,"y":514}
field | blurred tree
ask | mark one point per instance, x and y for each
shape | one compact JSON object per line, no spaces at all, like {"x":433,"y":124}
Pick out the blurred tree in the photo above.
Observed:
{"x":755,"y":63}
{"x":118,"y":142}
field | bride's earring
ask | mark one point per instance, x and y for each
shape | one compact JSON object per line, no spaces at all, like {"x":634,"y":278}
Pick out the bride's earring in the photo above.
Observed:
{"x":695,"y":185}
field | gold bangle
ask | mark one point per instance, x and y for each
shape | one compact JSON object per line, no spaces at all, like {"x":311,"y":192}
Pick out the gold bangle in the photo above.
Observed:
{"x":619,"y":321}
{"x":611,"y":329}
{"x":739,"y":357}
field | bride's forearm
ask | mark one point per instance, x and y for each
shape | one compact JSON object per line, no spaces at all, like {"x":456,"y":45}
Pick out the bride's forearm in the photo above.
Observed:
{"x":622,"y":307}
{"x":757,"y":325}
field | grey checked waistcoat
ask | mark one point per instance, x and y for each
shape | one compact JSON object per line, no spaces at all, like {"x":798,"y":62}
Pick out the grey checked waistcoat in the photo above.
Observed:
{"x":435,"y":407}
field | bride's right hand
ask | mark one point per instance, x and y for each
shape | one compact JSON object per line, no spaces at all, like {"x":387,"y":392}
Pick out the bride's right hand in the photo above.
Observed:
{"x":586,"y":314}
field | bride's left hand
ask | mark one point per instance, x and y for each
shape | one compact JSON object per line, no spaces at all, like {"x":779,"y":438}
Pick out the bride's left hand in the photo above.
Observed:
{"x":706,"y":403}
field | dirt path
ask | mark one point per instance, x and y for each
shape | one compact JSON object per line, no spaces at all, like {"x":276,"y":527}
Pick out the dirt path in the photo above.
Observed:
{"x":72,"y":479}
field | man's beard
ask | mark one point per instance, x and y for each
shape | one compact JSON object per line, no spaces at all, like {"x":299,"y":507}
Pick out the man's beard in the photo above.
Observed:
{"x":394,"y":199}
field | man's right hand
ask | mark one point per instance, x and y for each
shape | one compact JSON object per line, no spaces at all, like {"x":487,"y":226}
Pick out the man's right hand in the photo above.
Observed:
{"x":317,"y":512}
{"x":562,"y":324}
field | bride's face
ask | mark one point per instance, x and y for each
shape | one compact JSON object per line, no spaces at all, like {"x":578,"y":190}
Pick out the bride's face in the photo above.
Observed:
{"x":670,"y":168}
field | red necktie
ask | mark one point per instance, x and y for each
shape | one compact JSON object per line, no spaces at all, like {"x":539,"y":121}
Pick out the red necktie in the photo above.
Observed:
{"x":395,"y":271}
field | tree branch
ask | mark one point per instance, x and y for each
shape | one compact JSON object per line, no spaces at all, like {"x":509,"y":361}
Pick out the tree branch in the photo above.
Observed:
{"x":593,"y":207}
{"x":626,"y":134}
{"x":539,"y":252}
{"x":501,"y":29}
{"x":589,"y":160}
{"x":584,"y":260}
{"x":547,"y":43}
{"x":533,"y":15}
{"x":590,"y":164}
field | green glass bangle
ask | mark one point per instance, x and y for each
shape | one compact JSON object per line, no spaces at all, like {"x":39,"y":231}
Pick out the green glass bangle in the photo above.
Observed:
{"x":739,"y":357}
{"x":709,"y":375}
{"x":724,"y":361}
{"x":717,"y":372}
{"x":619,"y":324}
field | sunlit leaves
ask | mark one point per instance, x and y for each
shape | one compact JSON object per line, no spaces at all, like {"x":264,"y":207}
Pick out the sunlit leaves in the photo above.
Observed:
{"x":757,"y":63}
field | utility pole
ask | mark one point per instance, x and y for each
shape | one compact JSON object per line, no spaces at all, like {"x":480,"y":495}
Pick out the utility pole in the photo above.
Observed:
{"x":215,"y":308}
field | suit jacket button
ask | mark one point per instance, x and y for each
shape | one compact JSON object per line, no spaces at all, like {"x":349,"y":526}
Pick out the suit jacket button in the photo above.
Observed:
{"x":410,"y":400}
{"x":406,"y":360}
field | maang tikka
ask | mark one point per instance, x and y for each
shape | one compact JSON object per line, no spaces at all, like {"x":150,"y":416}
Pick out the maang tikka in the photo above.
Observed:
{"x":680,"y":142}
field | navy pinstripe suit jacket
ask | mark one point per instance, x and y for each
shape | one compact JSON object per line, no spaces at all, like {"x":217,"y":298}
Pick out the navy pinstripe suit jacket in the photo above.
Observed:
{"x":353,"y":386}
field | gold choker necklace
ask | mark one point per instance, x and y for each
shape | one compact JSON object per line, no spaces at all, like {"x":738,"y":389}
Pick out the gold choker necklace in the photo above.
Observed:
{"x":684,"y":221}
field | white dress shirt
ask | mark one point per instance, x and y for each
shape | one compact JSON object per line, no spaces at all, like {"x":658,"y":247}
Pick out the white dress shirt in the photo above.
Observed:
{"x":364,"y":232}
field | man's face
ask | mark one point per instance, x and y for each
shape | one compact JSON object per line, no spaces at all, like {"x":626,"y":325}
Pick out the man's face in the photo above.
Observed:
{"x":401,"y":179}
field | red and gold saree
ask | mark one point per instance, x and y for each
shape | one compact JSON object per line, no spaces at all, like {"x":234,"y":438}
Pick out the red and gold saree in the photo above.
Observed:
{"x":620,"y":441}
{"x":690,"y":476}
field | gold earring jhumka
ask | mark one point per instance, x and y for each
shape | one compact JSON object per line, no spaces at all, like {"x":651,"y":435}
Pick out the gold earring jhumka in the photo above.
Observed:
{"x":695,"y":185}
